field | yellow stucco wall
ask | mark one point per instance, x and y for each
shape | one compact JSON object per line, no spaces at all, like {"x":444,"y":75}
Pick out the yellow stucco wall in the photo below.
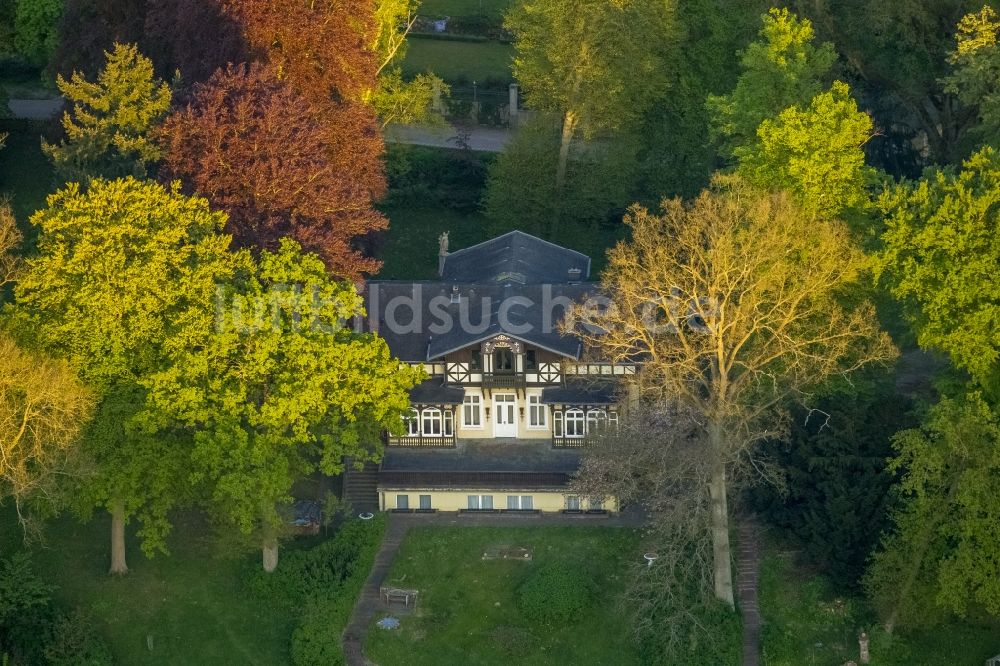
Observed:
{"x":486,"y":429}
{"x":456,"y":500}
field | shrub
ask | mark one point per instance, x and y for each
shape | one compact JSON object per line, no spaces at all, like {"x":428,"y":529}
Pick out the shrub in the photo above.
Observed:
{"x":31,"y":630}
{"x":433,"y":177}
{"x":483,"y":26}
{"x":448,"y":37}
{"x":75,"y":642}
{"x":25,"y":609}
{"x":303,"y":573}
{"x":554,"y":593}
{"x":324,"y":582}
{"x":317,"y":639}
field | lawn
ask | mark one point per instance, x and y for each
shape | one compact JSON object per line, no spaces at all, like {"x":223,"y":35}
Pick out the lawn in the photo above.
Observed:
{"x":25,"y":173}
{"x":410,"y":251}
{"x":491,"y":8}
{"x":467,"y":612}
{"x":460,"y":62}
{"x":191,"y":606}
{"x":807,"y":623}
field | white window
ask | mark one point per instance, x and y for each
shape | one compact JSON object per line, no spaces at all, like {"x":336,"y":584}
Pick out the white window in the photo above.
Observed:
{"x":472,"y":412}
{"x":477,"y":502}
{"x":575,"y":424}
{"x":412,"y":423}
{"x":402,"y":502}
{"x":613,"y":420}
{"x":557,"y":424}
{"x":597,"y":420}
{"x":425,"y":502}
{"x":519,"y":502}
{"x":449,"y":423}
{"x":537,"y":412}
{"x":596,"y":504}
{"x":431,"y":422}
{"x":572,"y":503}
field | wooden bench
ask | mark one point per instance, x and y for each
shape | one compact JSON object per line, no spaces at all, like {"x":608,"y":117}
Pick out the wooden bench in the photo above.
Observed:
{"x":392,"y":595}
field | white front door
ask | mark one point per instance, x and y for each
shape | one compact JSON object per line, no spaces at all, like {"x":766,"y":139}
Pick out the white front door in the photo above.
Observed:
{"x":504,"y":408}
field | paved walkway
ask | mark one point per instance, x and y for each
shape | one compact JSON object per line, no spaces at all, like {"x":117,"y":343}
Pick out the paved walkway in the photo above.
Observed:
{"x":35,"y":109}
{"x":483,"y":139}
{"x":370,"y":603}
{"x":747,"y":578}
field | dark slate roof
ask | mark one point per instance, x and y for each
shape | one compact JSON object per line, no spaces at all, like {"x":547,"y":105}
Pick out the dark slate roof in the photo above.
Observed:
{"x":420,"y":323}
{"x":517,"y":258}
{"x":484,"y":456}
{"x":434,"y":392}
{"x":580,"y":392}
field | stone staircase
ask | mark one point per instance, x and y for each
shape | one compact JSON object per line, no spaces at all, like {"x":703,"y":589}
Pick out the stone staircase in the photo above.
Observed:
{"x":361,"y":488}
{"x":747,"y":578}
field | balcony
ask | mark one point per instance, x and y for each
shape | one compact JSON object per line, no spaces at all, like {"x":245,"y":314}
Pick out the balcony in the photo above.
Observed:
{"x":503,"y":380}
{"x":423,"y":441}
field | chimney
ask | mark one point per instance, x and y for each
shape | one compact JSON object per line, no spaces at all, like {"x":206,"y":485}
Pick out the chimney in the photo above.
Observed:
{"x":442,"y":251}
{"x":574,"y":274}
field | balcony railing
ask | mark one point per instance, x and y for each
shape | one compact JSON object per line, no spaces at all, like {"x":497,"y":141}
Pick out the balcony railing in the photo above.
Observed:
{"x":433,"y":441}
{"x":503,"y":380}
{"x":569,"y":442}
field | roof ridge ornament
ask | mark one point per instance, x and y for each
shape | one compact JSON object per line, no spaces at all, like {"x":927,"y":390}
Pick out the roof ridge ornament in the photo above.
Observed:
{"x":442,"y":251}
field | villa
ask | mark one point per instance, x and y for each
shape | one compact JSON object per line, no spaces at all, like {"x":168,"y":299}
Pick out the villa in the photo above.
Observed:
{"x":510,"y":398}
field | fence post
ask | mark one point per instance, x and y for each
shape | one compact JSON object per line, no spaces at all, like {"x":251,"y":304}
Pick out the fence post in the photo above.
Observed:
{"x":512,"y":110}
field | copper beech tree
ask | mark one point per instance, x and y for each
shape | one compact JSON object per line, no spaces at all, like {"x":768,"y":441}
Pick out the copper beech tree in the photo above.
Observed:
{"x":259,"y":150}
{"x":319,"y":46}
{"x":737,"y":304}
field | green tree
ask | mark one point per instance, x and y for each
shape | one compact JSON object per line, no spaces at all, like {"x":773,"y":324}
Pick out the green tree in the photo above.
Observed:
{"x":283,"y":387}
{"x":944,"y":555}
{"x":734,"y":302}
{"x":940,"y":258}
{"x":675,"y":159}
{"x":783,"y":68}
{"x":120,"y":267}
{"x":976,"y":77}
{"x":10,"y":245}
{"x":36,"y":29}
{"x":521,"y":194}
{"x":834,"y":491}
{"x":25,"y":608}
{"x":591,"y":65}
{"x":896,"y":52}
{"x":43,"y":409}
{"x":394,"y":99}
{"x":813,"y":152}
{"x":109,"y":133}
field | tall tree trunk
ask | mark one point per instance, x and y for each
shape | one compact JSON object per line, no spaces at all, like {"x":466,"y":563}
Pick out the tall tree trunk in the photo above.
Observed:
{"x":917,"y":560}
{"x":721,"y":551}
{"x":269,"y":537}
{"x":118,"y":565}
{"x":269,"y":548}
{"x":565,"y":140}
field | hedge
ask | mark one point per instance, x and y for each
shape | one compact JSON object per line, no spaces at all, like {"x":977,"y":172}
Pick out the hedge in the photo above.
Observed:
{"x":322,"y":584}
